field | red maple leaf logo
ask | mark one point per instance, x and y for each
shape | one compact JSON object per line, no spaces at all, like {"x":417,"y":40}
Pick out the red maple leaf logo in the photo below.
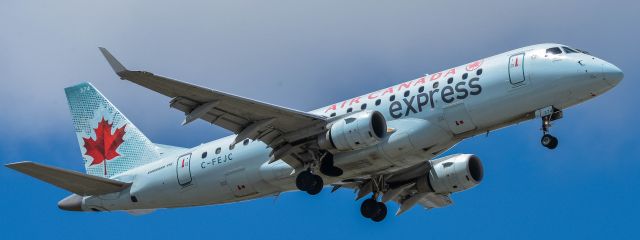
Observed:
{"x":104,"y":147}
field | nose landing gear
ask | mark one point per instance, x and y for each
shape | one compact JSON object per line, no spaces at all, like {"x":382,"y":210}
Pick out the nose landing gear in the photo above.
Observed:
{"x":548,"y":115}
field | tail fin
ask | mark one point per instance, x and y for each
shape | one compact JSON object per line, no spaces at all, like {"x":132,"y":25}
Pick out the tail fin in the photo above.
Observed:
{"x":110,"y":144}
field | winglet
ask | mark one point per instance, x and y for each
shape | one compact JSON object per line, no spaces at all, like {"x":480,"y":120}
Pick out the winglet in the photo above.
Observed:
{"x":115,"y":64}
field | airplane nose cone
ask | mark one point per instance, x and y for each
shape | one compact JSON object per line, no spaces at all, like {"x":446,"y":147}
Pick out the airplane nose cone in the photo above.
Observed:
{"x":612,"y":74}
{"x":71,"y":203}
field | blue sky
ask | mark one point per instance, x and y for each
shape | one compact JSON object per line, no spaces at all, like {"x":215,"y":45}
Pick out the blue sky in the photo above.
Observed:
{"x":307,"y":55}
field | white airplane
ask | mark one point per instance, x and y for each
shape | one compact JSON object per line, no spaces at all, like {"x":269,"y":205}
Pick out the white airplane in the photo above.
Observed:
{"x":381,"y":144}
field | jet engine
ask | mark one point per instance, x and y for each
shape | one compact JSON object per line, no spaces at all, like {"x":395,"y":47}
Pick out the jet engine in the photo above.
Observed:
{"x":355,"y":131}
{"x":455,"y":173}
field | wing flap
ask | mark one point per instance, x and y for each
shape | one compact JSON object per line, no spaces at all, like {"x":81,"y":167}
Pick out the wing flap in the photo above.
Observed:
{"x":72,"y":181}
{"x":435,"y":201}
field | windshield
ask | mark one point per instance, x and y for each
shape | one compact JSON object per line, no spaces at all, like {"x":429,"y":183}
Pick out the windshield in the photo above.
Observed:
{"x":554,"y":51}
{"x":582,"y":51}
{"x":569,"y":50}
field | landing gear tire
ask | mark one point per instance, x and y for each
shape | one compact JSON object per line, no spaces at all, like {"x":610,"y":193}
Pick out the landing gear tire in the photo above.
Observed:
{"x":317,"y":185}
{"x":549,"y":141}
{"x":304,"y":180}
{"x":373,"y":210}
{"x":382,"y":213}
{"x":309,"y":182}
{"x":369,"y":208}
{"x":327,"y":167}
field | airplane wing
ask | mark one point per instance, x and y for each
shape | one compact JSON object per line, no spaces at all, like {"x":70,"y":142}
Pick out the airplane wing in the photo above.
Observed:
{"x":286,"y":131}
{"x":75,"y":182}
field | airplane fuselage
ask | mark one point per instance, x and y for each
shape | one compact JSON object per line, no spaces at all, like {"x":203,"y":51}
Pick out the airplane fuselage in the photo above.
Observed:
{"x":425,"y":117}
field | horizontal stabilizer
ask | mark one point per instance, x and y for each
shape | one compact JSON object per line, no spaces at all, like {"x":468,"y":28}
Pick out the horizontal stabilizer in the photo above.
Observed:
{"x":75,"y":182}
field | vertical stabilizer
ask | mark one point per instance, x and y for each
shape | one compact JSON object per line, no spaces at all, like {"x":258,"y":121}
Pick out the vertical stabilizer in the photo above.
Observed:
{"x":109,"y":142}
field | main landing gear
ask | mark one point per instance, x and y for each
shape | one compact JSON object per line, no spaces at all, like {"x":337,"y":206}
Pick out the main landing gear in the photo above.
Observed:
{"x":373,"y":209}
{"x":309,"y":182}
{"x":370,"y":207}
{"x":548,"y":115}
{"x":312,"y":183}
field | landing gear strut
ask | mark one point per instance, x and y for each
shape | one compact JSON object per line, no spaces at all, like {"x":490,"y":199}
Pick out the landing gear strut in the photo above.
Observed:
{"x":309,"y":182}
{"x":312,"y":183}
{"x":370,"y":207}
{"x":548,"y":115}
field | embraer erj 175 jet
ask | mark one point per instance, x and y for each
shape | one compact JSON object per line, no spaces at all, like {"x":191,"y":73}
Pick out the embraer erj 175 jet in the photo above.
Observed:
{"x":381,"y":144}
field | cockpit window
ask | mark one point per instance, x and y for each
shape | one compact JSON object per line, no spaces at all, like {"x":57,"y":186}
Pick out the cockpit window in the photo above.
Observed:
{"x":554,"y":51}
{"x":582,"y":51}
{"x":569,"y":50}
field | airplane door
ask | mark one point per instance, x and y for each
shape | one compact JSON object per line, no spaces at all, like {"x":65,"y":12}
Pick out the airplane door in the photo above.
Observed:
{"x":238,"y":183}
{"x":183,"y":169}
{"x":458,"y":118}
{"x":516,"y":69}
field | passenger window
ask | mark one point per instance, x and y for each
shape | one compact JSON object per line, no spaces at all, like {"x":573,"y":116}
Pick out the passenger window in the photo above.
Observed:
{"x":435,"y":85}
{"x":568,"y":50}
{"x":349,"y":110}
{"x":218,"y":150}
{"x":421,"y":89}
{"x":554,"y":51}
{"x":464,"y":76}
{"x":479,"y":72}
{"x":406,"y":93}
{"x":450,"y":80}
{"x":363,"y":107}
{"x":246,"y":142}
{"x":333,"y":115}
{"x":378,"y":102}
{"x":393,"y":97}
{"x":204,"y":155}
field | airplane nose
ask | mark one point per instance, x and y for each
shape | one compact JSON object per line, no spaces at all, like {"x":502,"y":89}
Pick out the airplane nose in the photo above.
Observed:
{"x":612,"y":74}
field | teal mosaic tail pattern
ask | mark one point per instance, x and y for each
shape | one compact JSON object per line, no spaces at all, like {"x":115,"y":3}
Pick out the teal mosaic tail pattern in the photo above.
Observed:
{"x":110,"y":144}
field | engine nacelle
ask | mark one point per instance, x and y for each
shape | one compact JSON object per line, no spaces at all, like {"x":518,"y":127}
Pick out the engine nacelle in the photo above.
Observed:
{"x":455,"y":173}
{"x":355,"y":131}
